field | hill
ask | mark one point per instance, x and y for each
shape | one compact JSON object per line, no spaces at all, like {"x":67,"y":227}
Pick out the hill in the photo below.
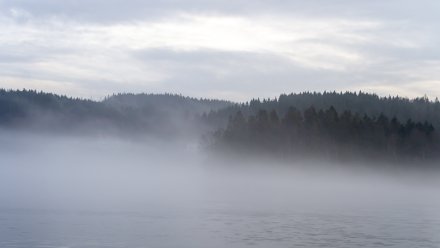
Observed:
{"x":165,"y":114}
{"x":418,"y":109}
{"x":329,"y":125}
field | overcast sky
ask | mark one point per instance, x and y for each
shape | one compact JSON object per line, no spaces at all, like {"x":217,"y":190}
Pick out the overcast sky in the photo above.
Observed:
{"x":234,"y":50}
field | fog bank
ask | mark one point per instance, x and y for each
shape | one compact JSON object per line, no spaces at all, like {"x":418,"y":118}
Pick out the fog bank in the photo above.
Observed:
{"x":88,"y":192}
{"x":105,"y":172}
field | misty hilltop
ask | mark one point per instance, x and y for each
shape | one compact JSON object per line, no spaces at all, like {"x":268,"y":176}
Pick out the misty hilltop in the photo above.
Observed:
{"x":332,"y":125}
{"x":162,"y":114}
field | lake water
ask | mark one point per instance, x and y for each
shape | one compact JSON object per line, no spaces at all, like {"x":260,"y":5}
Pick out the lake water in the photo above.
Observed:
{"x":220,"y":227}
{"x":102,"y":194}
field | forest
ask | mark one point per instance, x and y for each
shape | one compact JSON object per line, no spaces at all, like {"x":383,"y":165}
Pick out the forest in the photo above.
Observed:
{"x":418,"y":109}
{"x":325,"y":133}
{"x":341,"y":126}
{"x":134,"y":114}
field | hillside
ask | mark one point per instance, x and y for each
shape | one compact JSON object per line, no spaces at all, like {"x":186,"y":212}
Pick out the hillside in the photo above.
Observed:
{"x":328,"y":125}
{"x":418,"y":109}
{"x":134,"y":113}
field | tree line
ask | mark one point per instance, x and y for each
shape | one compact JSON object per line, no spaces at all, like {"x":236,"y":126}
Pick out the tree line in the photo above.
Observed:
{"x":326,"y":133}
{"x":329,"y":124}
{"x":418,"y":109}
{"x":151,"y":114}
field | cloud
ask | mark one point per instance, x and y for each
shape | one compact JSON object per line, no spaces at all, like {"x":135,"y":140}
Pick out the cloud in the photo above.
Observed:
{"x":234,"y":50}
{"x":412,"y":89}
{"x":109,"y":11}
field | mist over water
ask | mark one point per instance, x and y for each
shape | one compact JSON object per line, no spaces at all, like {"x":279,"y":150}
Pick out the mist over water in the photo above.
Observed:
{"x":66,"y":191}
{"x":219,"y":124}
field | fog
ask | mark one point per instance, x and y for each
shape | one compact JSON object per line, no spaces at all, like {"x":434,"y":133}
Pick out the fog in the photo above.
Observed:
{"x":58,"y":189}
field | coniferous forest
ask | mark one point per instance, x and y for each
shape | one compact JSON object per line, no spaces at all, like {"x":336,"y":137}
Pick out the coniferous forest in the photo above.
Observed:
{"x":329,"y":125}
{"x":325,"y":133}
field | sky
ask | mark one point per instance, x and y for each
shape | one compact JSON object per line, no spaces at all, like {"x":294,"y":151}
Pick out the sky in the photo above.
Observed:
{"x":235,"y":50}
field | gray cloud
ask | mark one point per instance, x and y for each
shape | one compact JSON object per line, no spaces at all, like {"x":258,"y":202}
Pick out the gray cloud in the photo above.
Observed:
{"x":245,"y":74}
{"x":228,"y":49}
{"x":123,"y":10}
